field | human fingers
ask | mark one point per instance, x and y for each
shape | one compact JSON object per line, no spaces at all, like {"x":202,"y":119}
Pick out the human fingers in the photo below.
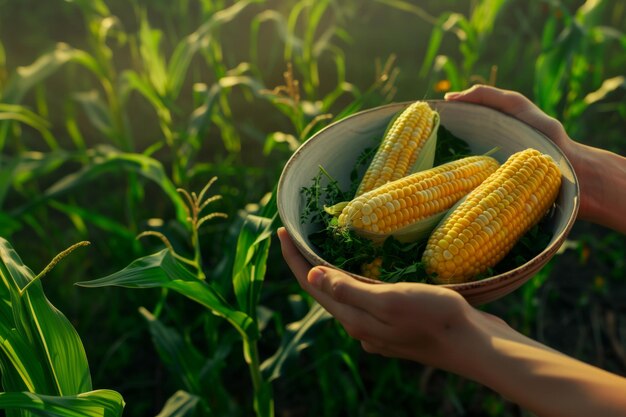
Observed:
{"x":516,"y":105}
{"x":507,"y":101}
{"x":358,"y":323}
{"x":347,"y":290}
{"x":296,"y":262}
{"x":335,"y":291}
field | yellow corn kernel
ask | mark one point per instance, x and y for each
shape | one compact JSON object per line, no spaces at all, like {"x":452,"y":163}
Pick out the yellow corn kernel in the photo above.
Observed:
{"x":400,"y":147}
{"x":407,"y":201}
{"x":372,"y":269}
{"x":528,"y":182}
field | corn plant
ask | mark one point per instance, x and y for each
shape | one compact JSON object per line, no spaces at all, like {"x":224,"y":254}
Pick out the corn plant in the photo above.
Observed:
{"x":44,"y":365}
{"x":172,"y":271}
{"x":471,"y":32}
{"x":571,"y":71}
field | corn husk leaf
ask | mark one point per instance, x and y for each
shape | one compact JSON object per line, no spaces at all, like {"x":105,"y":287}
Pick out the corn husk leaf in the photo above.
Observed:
{"x":426,"y":157}
{"x":412,"y":233}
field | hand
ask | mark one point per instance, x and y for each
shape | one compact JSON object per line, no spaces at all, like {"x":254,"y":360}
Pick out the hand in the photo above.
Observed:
{"x":518,"y":106}
{"x":419,"y":322}
{"x":435,"y":326}
{"x":601,"y":174}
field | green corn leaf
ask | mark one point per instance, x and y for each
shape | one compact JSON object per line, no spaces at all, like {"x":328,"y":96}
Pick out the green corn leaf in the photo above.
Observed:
{"x":19,"y":371}
{"x":99,"y":403}
{"x":8,"y":225}
{"x":551,"y":68}
{"x":163,"y":270}
{"x":289,"y":39}
{"x":54,"y":342}
{"x":133,"y":81}
{"x":154,"y":63}
{"x":590,"y":13}
{"x":28,"y":166}
{"x":484,"y":15}
{"x":27,"y":77}
{"x":297,"y":338}
{"x":608,"y":86}
{"x":409,"y":7}
{"x":24,"y":115}
{"x":447,"y":65}
{"x":179,"y":356}
{"x":103,"y":161}
{"x":426,"y":157}
{"x":95,"y":7}
{"x":436,"y":37}
{"x":3,"y":59}
{"x":181,"y":404}
{"x":250,"y":261}
{"x":97,"y":112}
{"x":187,"y":48}
{"x":201,"y":117}
{"x":105,"y":223}
{"x":152,"y":271}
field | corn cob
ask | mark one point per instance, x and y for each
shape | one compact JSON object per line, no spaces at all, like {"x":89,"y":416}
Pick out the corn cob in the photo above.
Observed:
{"x":372,"y":269}
{"x":401,"y":145}
{"x":411,"y":206}
{"x":484,"y":227}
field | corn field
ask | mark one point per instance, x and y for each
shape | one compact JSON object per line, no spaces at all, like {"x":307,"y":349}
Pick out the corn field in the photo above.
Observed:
{"x":140,"y":146}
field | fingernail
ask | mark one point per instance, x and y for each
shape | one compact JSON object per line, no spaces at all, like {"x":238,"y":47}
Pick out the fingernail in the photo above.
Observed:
{"x":315,"y":277}
{"x":451,"y":95}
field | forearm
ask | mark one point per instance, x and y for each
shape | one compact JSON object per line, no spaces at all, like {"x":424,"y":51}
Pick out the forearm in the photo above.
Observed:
{"x":536,"y":377}
{"x":602,"y":178}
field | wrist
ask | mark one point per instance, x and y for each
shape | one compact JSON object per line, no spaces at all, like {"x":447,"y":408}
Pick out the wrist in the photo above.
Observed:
{"x":462,"y":346}
{"x":602,"y":178}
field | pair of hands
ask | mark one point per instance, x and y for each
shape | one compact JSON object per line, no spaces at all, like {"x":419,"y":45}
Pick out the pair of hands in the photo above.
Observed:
{"x":435,"y":326}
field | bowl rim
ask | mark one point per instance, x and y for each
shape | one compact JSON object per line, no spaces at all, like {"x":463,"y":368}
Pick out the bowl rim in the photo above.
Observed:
{"x":508,"y":276}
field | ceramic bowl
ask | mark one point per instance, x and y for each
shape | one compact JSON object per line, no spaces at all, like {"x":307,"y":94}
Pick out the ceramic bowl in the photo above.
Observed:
{"x":337,"y":147}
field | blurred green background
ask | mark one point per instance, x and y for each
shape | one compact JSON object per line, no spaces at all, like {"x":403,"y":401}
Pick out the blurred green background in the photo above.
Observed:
{"x":108,"y":106}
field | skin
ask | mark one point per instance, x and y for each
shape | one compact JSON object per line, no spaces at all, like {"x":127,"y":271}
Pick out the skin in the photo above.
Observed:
{"x":599,"y":172}
{"x":538,"y":378}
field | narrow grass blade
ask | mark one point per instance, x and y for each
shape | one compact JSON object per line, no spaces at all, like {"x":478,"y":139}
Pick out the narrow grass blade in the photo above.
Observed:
{"x":99,"y":403}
